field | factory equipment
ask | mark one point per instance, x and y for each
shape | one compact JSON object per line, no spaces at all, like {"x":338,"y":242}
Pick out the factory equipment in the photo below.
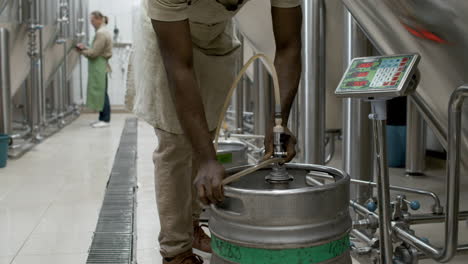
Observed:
{"x":257,"y":224}
{"x":37,"y":68}
{"x":265,"y":222}
{"x":378,"y":79}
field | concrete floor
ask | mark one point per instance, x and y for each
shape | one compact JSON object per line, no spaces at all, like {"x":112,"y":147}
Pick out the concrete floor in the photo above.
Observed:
{"x":50,"y":198}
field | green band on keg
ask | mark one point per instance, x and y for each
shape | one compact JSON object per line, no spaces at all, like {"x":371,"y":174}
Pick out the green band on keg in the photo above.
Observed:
{"x":310,"y":255}
{"x":224,"y":158}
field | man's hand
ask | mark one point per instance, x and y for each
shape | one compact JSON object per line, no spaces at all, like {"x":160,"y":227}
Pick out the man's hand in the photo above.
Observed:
{"x":289,"y":144}
{"x":209,"y":182}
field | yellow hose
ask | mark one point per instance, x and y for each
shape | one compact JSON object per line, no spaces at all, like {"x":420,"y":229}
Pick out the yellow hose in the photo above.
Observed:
{"x":278,"y":121}
{"x":245,"y":172}
{"x":276,"y":88}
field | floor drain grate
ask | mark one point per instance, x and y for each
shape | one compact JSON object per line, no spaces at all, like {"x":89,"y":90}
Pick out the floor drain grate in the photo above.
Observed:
{"x":114,"y":240}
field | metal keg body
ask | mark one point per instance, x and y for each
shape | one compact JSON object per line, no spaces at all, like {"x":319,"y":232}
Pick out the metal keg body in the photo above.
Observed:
{"x":282,"y":222}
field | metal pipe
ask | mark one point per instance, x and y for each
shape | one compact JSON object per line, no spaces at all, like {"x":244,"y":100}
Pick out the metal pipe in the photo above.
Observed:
{"x":431,"y":218}
{"x":362,"y":210}
{"x":252,"y":146}
{"x":362,"y":237}
{"x":5,"y":84}
{"x":331,"y":147}
{"x":357,"y":144}
{"x":416,"y":242}
{"x":58,"y":93}
{"x":262,"y":100}
{"x":383,"y":182}
{"x":239,"y":93}
{"x":247,"y":136}
{"x":3,"y":5}
{"x":452,"y":186}
{"x":32,"y":88}
{"x":437,"y":208}
{"x":312,"y":90}
{"x":453,"y":171}
{"x":415,"y":141}
{"x":22,"y":134}
{"x":430,"y":119}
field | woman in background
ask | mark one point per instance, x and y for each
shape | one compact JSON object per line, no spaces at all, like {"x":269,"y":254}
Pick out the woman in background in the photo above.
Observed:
{"x":98,"y":55}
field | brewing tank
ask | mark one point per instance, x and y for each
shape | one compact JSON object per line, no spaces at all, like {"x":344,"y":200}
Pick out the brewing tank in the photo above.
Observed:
{"x":287,"y":222}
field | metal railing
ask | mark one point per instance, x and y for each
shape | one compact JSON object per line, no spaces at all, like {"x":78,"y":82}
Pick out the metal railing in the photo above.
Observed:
{"x":401,"y":220}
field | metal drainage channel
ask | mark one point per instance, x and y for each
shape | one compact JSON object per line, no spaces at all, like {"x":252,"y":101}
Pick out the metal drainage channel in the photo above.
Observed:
{"x":114,"y":240}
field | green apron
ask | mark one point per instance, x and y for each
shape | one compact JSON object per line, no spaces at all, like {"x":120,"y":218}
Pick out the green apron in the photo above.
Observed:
{"x":97,"y":74}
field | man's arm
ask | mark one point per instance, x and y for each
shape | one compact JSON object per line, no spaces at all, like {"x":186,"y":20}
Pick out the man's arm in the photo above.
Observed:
{"x":287,"y":25}
{"x":176,"y":48}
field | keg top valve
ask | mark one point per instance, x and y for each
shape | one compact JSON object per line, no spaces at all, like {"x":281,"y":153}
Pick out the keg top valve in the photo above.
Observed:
{"x":278,"y":173}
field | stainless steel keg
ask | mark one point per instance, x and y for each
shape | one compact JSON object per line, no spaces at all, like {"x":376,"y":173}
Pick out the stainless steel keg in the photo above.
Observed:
{"x":232,"y":154}
{"x":261,"y":222}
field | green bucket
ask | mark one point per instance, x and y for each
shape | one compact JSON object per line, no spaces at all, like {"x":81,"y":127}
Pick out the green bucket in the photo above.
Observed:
{"x":4,"y":142}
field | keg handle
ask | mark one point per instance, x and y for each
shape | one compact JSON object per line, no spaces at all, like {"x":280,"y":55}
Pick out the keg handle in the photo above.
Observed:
{"x":230,"y":214}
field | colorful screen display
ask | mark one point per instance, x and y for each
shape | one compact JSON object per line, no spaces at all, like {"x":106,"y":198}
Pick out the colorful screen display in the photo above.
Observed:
{"x":361,"y":74}
{"x":365,"y":65}
{"x":357,"y":83}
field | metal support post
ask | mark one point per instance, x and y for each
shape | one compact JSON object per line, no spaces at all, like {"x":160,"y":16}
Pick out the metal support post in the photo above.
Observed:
{"x":239,"y":93}
{"x":5,"y":84}
{"x":357,"y":144}
{"x":452,"y":188}
{"x":262,"y":100}
{"x":312,"y":90}
{"x":379,"y":117}
{"x":415,"y":141}
{"x":34,"y":90}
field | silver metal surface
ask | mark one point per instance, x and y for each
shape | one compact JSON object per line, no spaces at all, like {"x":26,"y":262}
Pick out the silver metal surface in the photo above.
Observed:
{"x":383,"y":187}
{"x":5,"y":85}
{"x":312,"y":91}
{"x":237,"y":151}
{"x":35,"y":95}
{"x":34,"y":60}
{"x":416,"y":219}
{"x":439,"y":36}
{"x":259,"y":214}
{"x":436,"y":208}
{"x":415,"y":141}
{"x":452,"y":187}
{"x":357,"y":144}
{"x":239,"y":92}
{"x":262,"y":98}
{"x":453,"y":172}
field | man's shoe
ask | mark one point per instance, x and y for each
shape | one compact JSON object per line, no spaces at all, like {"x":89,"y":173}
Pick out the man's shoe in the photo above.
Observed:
{"x":100,"y":124}
{"x":201,"y":240}
{"x":184,"y":258}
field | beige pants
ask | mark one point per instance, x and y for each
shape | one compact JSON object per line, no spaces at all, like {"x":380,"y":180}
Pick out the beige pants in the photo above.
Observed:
{"x":176,"y":197}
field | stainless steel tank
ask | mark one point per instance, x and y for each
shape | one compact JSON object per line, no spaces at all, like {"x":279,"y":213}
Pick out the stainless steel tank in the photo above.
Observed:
{"x":232,"y":154}
{"x":291,"y":222}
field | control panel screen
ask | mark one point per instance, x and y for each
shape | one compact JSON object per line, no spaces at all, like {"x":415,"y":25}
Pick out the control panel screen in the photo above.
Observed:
{"x":365,"y":65}
{"x":376,"y":74}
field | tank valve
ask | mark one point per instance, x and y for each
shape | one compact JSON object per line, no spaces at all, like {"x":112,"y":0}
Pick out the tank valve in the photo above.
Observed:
{"x":372,"y":206}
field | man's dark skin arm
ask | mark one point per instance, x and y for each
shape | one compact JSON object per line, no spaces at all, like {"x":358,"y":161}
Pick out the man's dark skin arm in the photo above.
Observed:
{"x":176,"y":50}
{"x":287,"y":25}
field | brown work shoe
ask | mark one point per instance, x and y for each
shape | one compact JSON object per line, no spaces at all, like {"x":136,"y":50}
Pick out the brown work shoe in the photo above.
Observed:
{"x":184,"y":258}
{"x":201,"y":240}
